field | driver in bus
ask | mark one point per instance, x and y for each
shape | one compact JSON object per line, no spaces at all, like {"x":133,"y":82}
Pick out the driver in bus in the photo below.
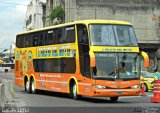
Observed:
{"x":122,"y":69}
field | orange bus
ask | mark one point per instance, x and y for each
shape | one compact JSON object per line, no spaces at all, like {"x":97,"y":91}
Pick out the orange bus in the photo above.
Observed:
{"x":81,"y":58}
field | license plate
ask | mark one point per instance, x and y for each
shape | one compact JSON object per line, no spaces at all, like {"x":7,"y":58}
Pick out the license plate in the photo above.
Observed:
{"x":119,"y":92}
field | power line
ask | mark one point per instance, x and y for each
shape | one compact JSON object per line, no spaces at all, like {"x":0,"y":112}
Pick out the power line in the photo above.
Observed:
{"x":17,"y":4}
{"x":13,"y":3}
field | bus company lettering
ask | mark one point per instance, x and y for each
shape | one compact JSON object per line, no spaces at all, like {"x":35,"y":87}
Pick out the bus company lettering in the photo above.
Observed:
{"x":56,"y":52}
{"x":126,"y":82}
{"x":46,"y":75}
{"x":117,"y":49}
{"x":44,"y":52}
{"x":110,"y":82}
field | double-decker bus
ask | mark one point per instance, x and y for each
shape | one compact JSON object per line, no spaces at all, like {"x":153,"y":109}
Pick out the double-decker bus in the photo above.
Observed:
{"x":81,"y":58}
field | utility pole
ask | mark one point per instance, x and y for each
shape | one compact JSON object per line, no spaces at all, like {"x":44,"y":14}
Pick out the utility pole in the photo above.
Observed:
{"x":95,"y":12}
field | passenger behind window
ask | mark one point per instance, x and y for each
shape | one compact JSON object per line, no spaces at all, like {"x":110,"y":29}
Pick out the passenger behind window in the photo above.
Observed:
{"x":84,"y":36}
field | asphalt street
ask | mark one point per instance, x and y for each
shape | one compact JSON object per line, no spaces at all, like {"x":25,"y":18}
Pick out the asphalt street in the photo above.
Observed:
{"x":50,"y":101}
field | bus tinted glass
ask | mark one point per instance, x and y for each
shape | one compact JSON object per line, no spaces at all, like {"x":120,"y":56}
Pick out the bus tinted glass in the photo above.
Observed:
{"x":47,"y":37}
{"x":117,"y":66}
{"x":112,"y":35}
{"x":62,"y":65}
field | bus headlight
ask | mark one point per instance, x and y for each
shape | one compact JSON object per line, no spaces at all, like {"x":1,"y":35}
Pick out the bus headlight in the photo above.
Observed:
{"x":135,"y":86}
{"x":150,"y":81}
{"x":99,"y":86}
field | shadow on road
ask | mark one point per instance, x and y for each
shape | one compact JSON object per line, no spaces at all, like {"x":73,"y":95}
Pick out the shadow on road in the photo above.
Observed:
{"x":66,"y":96}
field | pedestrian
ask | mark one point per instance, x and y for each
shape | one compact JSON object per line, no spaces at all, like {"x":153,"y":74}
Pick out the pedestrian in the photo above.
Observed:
{"x":157,"y":75}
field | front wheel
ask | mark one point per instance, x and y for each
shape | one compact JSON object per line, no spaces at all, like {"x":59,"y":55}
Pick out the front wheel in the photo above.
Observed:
{"x":73,"y":92}
{"x":6,"y":70}
{"x":113,"y":99}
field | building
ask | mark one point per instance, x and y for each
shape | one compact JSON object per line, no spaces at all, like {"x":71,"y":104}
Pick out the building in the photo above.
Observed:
{"x":143,"y":14}
{"x":8,"y":54}
{"x":36,"y":14}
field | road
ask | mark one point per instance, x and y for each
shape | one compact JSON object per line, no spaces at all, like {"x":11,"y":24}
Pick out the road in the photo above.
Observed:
{"x":61,"y":102}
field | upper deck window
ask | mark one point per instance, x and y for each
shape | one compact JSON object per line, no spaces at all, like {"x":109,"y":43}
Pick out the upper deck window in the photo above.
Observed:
{"x":112,"y":35}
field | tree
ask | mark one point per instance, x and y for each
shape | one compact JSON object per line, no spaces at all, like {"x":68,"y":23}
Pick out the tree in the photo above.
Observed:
{"x":5,"y":50}
{"x":57,"y":13}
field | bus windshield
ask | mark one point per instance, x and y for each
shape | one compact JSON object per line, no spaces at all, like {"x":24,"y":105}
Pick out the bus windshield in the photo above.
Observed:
{"x":112,"y":35}
{"x":117,"y":66}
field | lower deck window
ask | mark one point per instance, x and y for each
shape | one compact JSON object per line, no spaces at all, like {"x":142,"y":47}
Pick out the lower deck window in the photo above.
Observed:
{"x":61,"y":65}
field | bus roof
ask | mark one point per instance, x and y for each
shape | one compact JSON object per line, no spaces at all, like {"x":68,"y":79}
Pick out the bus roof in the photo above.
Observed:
{"x":79,"y":22}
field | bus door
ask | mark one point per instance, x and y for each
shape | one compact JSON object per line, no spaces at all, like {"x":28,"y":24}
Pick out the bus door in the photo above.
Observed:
{"x":83,"y":45}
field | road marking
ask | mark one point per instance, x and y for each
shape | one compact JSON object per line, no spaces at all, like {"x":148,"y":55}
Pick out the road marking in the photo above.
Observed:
{"x":149,"y":95}
{"x":135,"y":96}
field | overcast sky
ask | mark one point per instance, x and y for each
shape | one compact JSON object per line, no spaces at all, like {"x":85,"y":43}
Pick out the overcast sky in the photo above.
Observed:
{"x":12,"y":21}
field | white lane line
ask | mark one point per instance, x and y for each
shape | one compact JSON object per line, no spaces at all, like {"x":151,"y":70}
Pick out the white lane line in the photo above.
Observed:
{"x":135,"y":96}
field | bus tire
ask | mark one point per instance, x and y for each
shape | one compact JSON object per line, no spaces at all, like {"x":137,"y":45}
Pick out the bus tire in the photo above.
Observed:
{"x":27,"y":86}
{"x":6,"y":70}
{"x":113,"y":99}
{"x":145,"y":87}
{"x":33,"y":89}
{"x":73,"y":91}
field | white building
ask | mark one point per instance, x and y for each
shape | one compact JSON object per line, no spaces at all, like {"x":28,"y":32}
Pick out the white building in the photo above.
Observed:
{"x":8,"y":53}
{"x":35,"y":15}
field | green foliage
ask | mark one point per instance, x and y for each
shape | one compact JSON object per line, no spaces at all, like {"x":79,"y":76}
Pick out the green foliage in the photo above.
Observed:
{"x":57,"y":12}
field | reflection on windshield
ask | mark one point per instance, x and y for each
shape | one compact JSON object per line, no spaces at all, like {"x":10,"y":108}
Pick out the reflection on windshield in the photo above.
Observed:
{"x":117,"y":65}
{"x":112,"y":35}
{"x":147,"y":75}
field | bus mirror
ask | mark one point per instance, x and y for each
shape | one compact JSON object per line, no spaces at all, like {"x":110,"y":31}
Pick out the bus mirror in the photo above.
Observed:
{"x":92,"y":60}
{"x":145,"y":58}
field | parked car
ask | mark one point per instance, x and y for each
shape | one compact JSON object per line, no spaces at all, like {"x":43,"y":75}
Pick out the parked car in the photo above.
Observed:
{"x":148,"y":80}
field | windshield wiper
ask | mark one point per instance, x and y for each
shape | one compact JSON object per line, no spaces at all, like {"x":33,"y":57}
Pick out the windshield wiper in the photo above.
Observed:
{"x":112,"y":73}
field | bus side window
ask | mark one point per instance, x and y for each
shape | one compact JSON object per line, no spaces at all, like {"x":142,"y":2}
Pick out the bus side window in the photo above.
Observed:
{"x":82,"y":34}
{"x":70,"y":34}
{"x":21,"y":42}
{"x":35,"y":39}
{"x":41,"y":39}
{"x":28,"y":40}
{"x":49,"y":37}
{"x":59,"y":35}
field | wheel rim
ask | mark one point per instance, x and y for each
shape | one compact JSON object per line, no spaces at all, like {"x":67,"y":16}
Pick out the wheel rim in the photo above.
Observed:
{"x":27,"y":85}
{"x":74,"y":90}
{"x":33,"y":89}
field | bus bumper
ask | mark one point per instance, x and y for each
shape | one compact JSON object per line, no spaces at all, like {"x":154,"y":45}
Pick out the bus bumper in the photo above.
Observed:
{"x":116,"y":92}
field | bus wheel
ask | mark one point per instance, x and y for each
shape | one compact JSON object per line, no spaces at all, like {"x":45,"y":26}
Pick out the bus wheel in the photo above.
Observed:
{"x":27,"y":86}
{"x":73,"y":92}
{"x":113,"y":99}
{"x":33,"y":89}
{"x":145,"y":88}
{"x":6,"y":70}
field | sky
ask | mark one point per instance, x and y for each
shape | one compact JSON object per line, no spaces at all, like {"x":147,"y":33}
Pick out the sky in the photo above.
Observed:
{"x":12,"y":21}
